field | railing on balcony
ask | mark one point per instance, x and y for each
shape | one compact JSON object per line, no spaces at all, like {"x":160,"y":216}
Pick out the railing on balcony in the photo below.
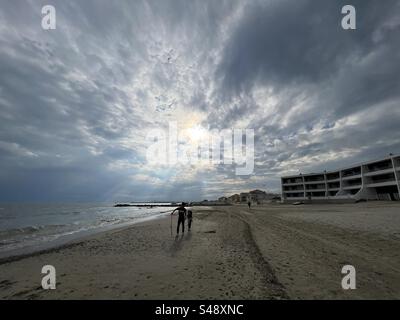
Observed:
{"x":287,"y":181}
{"x":381,"y":179}
{"x":333,"y":185}
{"x":315,"y":187}
{"x":314,"y":179}
{"x":378,"y":166}
{"x":293,"y":188}
{"x":352,"y":182}
{"x":351,"y":172}
{"x":315,"y":194}
{"x":333,"y":176}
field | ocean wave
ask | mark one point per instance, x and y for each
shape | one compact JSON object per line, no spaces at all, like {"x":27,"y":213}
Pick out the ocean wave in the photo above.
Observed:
{"x":19,"y":237}
{"x":27,"y":230}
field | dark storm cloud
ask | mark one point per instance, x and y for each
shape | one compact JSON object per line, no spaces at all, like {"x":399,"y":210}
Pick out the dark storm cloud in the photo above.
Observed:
{"x":300,"y":47}
{"x":320,"y":75}
{"x":284,"y":42}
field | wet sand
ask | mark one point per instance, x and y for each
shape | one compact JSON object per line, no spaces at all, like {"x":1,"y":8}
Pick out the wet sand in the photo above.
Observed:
{"x":269,"y":252}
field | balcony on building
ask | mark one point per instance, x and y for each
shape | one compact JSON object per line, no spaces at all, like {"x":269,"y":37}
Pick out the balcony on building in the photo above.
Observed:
{"x":397,"y":163}
{"x":381,"y":180}
{"x":315,"y":194}
{"x":314,"y":178}
{"x":383,"y":165}
{"x":333,"y":185}
{"x":316,"y":187}
{"x":293,"y":188}
{"x":292,"y":181}
{"x":351,"y":173}
{"x":333,"y":176}
{"x":353,"y":183}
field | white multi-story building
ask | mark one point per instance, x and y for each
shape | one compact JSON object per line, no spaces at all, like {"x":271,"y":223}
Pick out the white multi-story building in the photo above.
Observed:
{"x":372,"y":180}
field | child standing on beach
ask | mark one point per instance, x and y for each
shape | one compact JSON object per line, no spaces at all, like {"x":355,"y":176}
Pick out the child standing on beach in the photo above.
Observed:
{"x":189,"y":217}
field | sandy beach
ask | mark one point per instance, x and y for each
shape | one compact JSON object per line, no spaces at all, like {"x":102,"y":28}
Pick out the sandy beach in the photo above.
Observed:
{"x":269,"y":252}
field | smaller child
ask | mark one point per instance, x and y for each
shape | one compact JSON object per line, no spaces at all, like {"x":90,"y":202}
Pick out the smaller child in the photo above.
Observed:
{"x":189,"y":217}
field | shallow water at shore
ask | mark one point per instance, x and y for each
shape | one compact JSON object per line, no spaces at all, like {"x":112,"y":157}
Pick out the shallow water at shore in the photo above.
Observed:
{"x":33,"y":225}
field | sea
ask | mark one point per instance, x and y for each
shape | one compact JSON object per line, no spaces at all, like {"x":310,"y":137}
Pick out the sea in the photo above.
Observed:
{"x":26,"y":228}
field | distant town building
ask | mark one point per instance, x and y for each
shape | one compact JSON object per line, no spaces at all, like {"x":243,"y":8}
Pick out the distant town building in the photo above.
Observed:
{"x":259,"y":196}
{"x":234,"y":198}
{"x":254,"y":196}
{"x":244,"y":197}
{"x":372,"y":180}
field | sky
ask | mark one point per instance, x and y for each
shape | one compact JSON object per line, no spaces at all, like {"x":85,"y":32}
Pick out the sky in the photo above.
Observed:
{"x":77,"y":103}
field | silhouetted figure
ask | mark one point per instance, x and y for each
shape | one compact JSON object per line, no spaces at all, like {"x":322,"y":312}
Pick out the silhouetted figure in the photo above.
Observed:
{"x":189,"y":217}
{"x":181,"y":217}
{"x":249,"y":204}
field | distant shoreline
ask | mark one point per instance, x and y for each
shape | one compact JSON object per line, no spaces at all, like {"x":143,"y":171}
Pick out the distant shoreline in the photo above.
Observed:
{"x":192,"y":204}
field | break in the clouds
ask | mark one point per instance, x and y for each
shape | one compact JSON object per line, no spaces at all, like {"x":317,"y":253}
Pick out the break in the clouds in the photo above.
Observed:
{"x":77,"y":102}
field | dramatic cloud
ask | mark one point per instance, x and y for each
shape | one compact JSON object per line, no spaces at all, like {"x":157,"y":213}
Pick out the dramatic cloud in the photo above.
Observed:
{"x":77,"y":103}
